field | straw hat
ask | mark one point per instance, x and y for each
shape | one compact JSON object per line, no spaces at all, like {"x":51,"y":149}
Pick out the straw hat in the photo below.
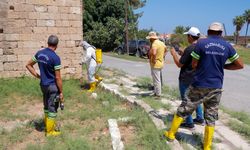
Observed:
{"x":152,"y":35}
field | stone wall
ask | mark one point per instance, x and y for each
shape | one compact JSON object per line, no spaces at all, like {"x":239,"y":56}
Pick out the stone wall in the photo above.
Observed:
{"x":25,"y":26}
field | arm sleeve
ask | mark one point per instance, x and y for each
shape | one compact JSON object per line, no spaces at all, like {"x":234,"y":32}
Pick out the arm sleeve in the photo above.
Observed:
{"x":88,"y":54}
{"x":232,"y":56}
{"x":34,"y":58}
{"x":196,"y":53}
{"x":57,"y":63}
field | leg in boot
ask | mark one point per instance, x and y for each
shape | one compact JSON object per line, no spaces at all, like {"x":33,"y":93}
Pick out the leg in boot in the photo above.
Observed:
{"x":51,"y":128}
{"x":170,"y":135}
{"x":51,"y":125}
{"x":98,"y":78}
{"x":92,"y":87}
{"x":208,"y":137}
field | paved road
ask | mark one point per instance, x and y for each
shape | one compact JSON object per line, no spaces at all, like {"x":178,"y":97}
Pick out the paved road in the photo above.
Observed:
{"x":236,"y":95}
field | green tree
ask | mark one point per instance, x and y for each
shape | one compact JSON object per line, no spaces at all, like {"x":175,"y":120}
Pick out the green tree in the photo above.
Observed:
{"x":179,"y":38}
{"x":238,"y":21}
{"x":247,"y":19}
{"x":104,"y":20}
{"x":181,"y":29}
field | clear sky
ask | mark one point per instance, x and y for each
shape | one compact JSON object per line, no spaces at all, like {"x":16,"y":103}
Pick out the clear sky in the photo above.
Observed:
{"x":164,"y":15}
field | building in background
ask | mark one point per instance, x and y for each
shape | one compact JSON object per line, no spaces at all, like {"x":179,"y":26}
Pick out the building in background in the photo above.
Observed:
{"x":25,"y":26}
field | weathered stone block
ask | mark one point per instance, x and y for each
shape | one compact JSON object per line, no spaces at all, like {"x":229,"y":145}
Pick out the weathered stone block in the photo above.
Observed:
{"x":12,"y":37}
{"x":34,"y":15}
{"x":39,"y":8}
{"x":75,"y":24}
{"x":45,"y":23}
{"x":1,"y":51}
{"x":70,"y":43}
{"x":13,"y":66}
{"x":8,"y":51}
{"x":75,"y":10}
{"x":52,"y":9}
{"x":9,"y":58}
{"x":24,"y":7}
{"x":24,"y":58}
{"x":64,"y":10}
{"x":52,"y":30}
{"x":44,"y":16}
{"x":30,"y":23}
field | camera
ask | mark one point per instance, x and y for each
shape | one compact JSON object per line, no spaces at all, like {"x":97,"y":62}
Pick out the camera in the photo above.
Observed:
{"x":58,"y":100}
{"x":176,"y":48}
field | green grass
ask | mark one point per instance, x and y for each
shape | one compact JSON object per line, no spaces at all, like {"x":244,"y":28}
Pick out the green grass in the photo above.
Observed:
{"x":83,"y":121}
{"x":244,"y":54}
{"x":241,"y":116}
{"x":127,"y":57}
{"x":145,"y":82}
{"x":242,"y":128}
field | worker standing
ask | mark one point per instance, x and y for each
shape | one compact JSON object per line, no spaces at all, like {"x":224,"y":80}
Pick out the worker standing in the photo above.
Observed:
{"x":50,"y":81}
{"x":157,"y":53}
{"x":91,"y":62}
{"x":187,"y":74}
{"x":209,"y":58}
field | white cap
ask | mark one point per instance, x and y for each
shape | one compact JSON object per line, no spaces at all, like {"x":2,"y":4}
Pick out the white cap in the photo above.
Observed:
{"x":216,"y":26}
{"x":193,"y":31}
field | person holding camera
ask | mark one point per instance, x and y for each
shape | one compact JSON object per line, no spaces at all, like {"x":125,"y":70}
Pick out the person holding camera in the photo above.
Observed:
{"x":187,"y":73}
{"x":209,"y":60}
{"x":49,"y":64}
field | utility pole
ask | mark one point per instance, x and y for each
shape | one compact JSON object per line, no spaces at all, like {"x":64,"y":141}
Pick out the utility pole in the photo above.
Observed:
{"x":126,"y":26}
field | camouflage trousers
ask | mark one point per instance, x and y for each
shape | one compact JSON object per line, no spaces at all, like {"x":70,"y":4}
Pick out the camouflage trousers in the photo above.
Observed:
{"x":210,"y":97}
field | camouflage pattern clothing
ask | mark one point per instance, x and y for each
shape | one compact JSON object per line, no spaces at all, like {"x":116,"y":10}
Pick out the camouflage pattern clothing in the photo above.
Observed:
{"x":210,"y":97}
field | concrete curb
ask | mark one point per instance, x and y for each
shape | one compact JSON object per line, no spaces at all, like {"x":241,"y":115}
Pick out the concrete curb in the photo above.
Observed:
{"x":131,"y":99}
{"x":117,"y":144}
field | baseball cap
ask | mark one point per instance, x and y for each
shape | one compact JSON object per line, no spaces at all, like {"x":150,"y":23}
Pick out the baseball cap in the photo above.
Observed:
{"x":216,"y":26}
{"x":53,"y":40}
{"x":193,"y":31}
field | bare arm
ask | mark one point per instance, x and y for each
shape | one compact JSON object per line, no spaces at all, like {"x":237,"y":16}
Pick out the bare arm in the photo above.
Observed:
{"x":59,"y":83}
{"x":176,"y":59}
{"x":235,"y":65}
{"x":30,"y":67}
{"x":194,"y":63}
{"x":154,"y":55}
{"x":165,"y":52}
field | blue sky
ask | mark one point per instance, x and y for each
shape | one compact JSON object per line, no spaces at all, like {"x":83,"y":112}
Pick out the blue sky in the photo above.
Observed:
{"x":164,"y":15}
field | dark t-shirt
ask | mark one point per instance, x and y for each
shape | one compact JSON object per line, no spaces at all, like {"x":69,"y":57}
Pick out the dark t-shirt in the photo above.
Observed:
{"x":187,"y":72}
{"x":212,"y":54}
{"x":48,"y":61}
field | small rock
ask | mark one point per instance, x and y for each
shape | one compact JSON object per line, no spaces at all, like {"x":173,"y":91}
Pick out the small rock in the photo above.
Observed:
{"x":105,"y":103}
{"x":94,"y":95}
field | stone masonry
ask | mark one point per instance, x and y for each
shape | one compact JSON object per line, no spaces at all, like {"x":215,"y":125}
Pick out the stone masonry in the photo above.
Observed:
{"x":24,"y":29}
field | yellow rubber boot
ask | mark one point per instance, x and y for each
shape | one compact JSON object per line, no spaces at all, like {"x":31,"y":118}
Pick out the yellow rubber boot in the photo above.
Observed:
{"x":50,"y":127}
{"x":92,"y":87}
{"x":208,"y":137}
{"x":170,"y":135}
{"x":98,"y":78}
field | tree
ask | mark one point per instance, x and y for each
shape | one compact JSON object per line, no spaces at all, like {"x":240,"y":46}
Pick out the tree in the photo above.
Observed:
{"x":238,"y":21}
{"x":103,"y":21}
{"x":247,"y":19}
{"x":179,"y":38}
{"x":181,"y":29}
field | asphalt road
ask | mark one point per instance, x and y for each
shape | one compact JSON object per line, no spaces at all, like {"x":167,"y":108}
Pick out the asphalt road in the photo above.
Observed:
{"x":236,"y":95}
